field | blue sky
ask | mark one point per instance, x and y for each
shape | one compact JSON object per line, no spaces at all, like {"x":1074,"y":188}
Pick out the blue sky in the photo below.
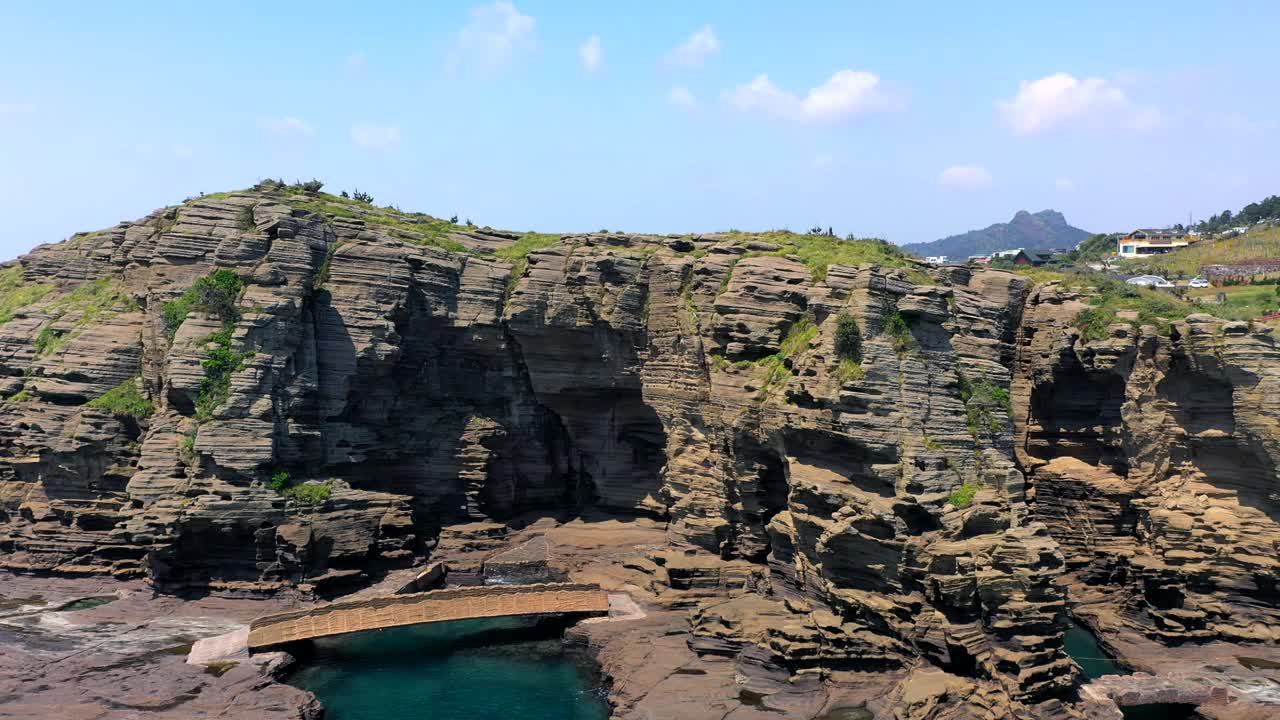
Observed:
{"x":906,"y":123}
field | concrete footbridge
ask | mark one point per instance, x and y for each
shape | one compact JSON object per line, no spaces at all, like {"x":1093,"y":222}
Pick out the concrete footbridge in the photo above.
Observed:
{"x":465,"y":603}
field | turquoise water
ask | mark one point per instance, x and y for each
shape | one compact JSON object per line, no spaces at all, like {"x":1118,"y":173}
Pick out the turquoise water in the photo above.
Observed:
{"x":470,"y":670}
{"x":1083,"y":647}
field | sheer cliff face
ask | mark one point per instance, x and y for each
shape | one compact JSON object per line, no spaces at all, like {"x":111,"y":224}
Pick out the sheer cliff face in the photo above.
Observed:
{"x":1154,"y":464}
{"x":691,"y":380}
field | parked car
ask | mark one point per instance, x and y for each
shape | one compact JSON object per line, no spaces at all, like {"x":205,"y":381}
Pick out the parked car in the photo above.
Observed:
{"x":1198,"y":282}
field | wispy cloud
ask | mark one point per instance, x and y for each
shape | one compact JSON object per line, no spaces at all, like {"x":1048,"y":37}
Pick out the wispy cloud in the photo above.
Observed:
{"x":965,"y":177}
{"x":182,"y":151}
{"x":371,"y":136}
{"x":1063,"y":102}
{"x":694,"y":51}
{"x":287,"y":125}
{"x":1065,"y":184}
{"x":17,"y":108}
{"x":497,"y":31}
{"x":845,"y":94}
{"x":680,"y":97}
{"x":592,"y":54}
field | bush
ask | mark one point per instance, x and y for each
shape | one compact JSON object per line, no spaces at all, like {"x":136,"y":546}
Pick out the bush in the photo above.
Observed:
{"x":312,"y":186}
{"x":215,"y":293}
{"x":310,"y":494}
{"x":363,"y":197}
{"x":124,"y":400}
{"x":848,"y":340}
{"x":963,"y":496}
{"x":799,"y":335}
{"x":896,"y":327}
{"x":221,"y":363}
{"x":281,"y":481}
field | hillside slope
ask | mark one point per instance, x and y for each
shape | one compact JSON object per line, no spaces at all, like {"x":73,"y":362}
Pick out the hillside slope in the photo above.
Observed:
{"x":1045,"y":230}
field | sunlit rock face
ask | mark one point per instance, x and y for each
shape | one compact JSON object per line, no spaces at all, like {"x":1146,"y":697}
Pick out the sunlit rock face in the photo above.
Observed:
{"x":928,"y":502}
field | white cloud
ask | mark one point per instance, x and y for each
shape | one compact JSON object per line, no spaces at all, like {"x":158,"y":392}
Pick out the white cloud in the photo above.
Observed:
{"x":494,"y":35}
{"x":288,"y":125}
{"x":965,"y":177}
{"x":591,"y":53}
{"x":356,"y":65}
{"x":845,"y":94}
{"x":822,"y":161}
{"x":1061,"y":101}
{"x":182,"y":152}
{"x":1065,"y":184}
{"x":7,"y":108}
{"x":695,"y":51}
{"x":680,"y":97}
{"x":375,"y":137}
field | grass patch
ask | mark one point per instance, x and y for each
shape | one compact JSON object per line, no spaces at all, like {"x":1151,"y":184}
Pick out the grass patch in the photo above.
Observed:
{"x":518,"y":254}
{"x":88,"y":304}
{"x":849,"y":371}
{"x":1153,"y":308}
{"x":799,"y":335}
{"x":820,"y":252}
{"x":215,"y":293}
{"x":963,"y":496}
{"x":309,"y":494}
{"x":124,"y":400}
{"x":414,"y":228}
{"x":1244,"y":302}
{"x":23,"y":395}
{"x":1187,"y":262}
{"x":16,"y":293}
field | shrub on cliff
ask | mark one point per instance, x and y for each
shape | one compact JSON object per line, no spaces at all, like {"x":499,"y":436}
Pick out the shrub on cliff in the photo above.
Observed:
{"x":848,"y":339}
{"x":124,"y":400}
{"x":215,"y":293}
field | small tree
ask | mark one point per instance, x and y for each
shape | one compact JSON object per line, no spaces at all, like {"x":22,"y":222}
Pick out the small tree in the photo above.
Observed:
{"x":363,"y":197}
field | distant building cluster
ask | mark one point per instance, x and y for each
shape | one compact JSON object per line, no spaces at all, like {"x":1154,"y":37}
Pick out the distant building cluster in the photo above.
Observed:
{"x":1019,"y":256}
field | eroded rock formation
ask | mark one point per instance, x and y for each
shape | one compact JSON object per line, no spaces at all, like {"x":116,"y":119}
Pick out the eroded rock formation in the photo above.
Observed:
{"x":819,"y":518}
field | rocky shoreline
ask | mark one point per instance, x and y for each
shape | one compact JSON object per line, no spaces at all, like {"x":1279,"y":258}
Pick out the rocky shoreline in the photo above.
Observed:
{"x":827,"y":474}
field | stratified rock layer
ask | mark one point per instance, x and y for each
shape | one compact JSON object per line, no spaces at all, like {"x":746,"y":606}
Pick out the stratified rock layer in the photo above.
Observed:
{"x":822,"y":518}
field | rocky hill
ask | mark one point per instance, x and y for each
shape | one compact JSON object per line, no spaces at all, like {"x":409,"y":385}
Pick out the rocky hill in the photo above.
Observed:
{"x":1045,"y":230}
{"x":827,"y":472}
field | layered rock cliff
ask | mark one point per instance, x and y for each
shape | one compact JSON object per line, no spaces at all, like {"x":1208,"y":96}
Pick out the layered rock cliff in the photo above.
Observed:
{"x":825,"y":512}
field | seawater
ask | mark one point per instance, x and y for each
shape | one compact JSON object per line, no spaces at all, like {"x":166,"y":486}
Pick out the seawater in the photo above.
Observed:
{"x":1083,"y":647}
{"x":466,"y":670}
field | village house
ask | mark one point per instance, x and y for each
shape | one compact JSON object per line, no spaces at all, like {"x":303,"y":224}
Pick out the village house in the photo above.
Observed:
{"x":1152,"y":242}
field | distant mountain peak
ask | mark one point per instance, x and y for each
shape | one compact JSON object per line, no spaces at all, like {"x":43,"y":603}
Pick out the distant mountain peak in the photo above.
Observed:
{"x":1044,"y":230}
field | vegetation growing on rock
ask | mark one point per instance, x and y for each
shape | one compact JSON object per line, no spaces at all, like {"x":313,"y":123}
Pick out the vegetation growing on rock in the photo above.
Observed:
{"x":88,"y":304}
{"x":124,"y":400}
{"x":222,"y":362}
{"x":215,"y":294}
{"x":15,"y":293}
{"x":518,"y":253}
{"x":982,"y":401}
{"x":963,"y":496}
{"x":1112,"y":297}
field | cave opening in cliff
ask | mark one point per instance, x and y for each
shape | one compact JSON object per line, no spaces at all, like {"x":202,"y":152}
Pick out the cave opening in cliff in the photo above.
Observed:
{"x":1078,"y":414}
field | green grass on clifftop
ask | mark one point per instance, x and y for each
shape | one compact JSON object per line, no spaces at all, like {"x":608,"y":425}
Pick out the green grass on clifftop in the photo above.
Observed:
{"x":15,"y":293}
{"x":518,"y":253}
{"x":820,"y":252}
{"x":1113,"y":297}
